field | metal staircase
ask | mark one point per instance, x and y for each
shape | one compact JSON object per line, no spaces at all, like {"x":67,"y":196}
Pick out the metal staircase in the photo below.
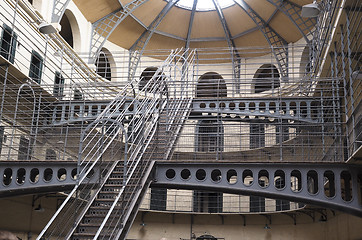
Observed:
{"x":126,"y":148}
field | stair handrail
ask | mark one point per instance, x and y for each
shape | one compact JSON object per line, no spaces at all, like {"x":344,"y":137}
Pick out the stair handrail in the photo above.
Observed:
{"x":85,"y":168}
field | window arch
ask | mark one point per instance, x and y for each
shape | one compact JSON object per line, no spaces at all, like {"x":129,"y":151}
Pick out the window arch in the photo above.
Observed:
{"x":103,"y":64}
{"x":211,"y":84}
{"x":147,"y":75}
{"x":266,"y":78}
{"x":66,"y":30}
{"x":70,"y":30}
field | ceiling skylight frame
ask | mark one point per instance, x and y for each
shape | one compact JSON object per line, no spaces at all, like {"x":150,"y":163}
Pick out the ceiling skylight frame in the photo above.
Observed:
{"x":203,"y":5}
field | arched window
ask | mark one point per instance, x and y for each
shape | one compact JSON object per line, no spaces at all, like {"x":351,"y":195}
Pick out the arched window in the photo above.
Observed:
{"x":66,"y":30}
{"x":70,"y":30}
{"x":103,"y":66}
{"x":50,"y":154}
{"x":266,"y":78}
{"x":147,"y":75}
{"x":211,"y":84}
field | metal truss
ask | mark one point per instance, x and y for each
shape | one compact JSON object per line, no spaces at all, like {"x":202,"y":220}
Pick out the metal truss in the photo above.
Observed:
{"x":332,"y":185}
{"x":278,"y":43}
{"x":59,"y":9}
{"x":137,"y":49}
{"x":103,"y":28}
{"x":292,"y":11}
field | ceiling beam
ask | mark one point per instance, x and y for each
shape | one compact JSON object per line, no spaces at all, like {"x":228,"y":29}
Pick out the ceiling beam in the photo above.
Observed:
{"x":292,"y":11}
{"x":276,"y":42}
{"x":235,"y":57}
{"x":103,"y":28}
{"x":137,"y":49}
{"x":229,"y":39}
{"x":188,"y":37}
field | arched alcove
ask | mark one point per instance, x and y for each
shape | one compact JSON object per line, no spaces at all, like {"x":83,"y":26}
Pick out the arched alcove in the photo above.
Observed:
{"x":70,"y":30}
{"x":266,"y":78}
{"x":211,"y":84}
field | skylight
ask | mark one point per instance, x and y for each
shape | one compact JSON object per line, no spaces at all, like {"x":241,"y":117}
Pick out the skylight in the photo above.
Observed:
{"x":203,"y":5}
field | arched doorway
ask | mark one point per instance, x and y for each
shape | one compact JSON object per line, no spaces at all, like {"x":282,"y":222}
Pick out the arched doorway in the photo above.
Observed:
{"x":266,"y":78}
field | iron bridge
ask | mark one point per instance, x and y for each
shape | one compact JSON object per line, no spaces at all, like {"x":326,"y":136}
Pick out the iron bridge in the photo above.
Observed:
{"x":334,"y":185}
{"x":298,"y":109}
{"x":337,"y":186}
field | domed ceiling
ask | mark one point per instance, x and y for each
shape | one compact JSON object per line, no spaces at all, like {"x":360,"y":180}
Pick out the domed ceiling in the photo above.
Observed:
{"x":203,"y":23}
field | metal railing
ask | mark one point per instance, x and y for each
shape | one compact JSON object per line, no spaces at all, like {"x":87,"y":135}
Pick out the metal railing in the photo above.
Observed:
{"x":97,"y":138}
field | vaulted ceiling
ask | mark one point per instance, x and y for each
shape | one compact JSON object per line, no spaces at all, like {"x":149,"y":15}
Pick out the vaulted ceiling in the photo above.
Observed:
{"x":243,"y":23}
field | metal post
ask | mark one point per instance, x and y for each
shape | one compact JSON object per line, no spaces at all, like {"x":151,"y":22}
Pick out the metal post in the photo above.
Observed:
{"x":335,"y":115}
{"x":345,"y":89}
{"x":4,"y":90}
{"x":354,"y":144}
